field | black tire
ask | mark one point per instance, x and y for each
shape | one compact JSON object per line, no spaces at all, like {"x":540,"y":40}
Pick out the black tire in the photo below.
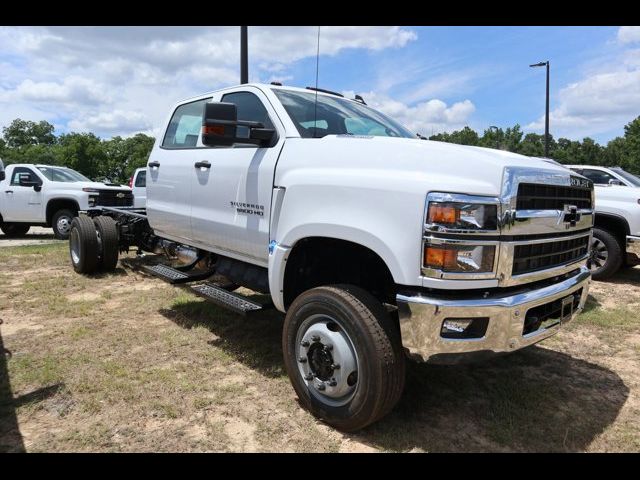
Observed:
{"x":61,"y":223}
{"x":107,"y":230}
{"x":14,"y":230}
{"x":83,"y":245}
{"x":375,"y":338}
{"x":605,"y":255}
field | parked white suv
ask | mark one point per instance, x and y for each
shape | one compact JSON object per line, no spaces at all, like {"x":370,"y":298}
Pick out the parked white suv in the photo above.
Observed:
{"x":617,"y":220}
{"x":138,"y":184}
{"x":51,"y":196}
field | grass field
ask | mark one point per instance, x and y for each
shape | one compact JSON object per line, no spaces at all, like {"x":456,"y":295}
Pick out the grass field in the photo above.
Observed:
{"x":124,"y":362}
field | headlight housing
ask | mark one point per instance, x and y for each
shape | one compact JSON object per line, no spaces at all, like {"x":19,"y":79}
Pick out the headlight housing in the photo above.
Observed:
{"x":460,"y":236}
{"x":458,"y":213}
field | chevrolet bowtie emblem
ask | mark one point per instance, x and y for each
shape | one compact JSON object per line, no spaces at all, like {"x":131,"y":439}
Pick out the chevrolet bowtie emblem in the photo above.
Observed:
{"x":120,"y":195}
{"x":570,"y":216}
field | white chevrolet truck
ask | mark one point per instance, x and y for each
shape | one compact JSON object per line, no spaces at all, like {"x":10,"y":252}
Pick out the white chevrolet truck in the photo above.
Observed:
{"x":377,"y":245}
{"x":617,"y":222}
{"x":51,"y":196}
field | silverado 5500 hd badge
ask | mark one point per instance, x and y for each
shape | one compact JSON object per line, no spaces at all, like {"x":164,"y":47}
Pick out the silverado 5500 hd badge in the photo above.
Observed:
{"x":248,"y":208}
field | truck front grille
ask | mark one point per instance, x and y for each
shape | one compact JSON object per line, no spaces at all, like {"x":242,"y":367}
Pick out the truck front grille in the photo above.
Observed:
{"x":534,"y":196}
{"x":115,"y":198}
{"x":540,"y":256}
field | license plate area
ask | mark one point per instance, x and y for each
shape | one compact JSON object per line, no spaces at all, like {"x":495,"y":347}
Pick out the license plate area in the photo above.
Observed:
{"x":551,"y":314}
{"x":566,"y":313}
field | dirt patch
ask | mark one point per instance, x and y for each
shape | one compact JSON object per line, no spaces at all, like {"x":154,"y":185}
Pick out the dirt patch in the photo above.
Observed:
{"x":125,"y":362}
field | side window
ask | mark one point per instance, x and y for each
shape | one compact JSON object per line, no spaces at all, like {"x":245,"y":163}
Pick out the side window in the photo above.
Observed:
{"x":598,"y":177}
{"x":15,"y":179}
{"x":185,"y":125}
{"x":250,"y":108}
{"x":141,"y":179}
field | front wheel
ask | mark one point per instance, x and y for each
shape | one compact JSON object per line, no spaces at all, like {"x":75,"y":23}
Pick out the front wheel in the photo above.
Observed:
{"x":61,"y":223}
{"x":605,"y":255}
{"x":343,"y":355}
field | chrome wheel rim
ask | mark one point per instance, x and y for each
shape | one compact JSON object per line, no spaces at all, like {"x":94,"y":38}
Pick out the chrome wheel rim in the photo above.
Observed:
{"x":63,"y":225}
{"x":74,"y":247}
{"x":327,"y":360}
{"x":598,"y":255}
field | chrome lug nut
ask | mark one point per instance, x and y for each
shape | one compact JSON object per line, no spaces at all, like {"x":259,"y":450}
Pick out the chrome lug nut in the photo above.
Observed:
{"x":305,"y":344}
{"x":308,"y":377}
{"x":333,"y":383}
{"x":302,"y":360}
{"x":315,"y":338}
{"x":335,"y":366}
{"x":321,"y":386}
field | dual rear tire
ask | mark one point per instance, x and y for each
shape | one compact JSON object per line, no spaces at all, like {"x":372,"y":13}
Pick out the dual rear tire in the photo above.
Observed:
{"x":93,"y":244}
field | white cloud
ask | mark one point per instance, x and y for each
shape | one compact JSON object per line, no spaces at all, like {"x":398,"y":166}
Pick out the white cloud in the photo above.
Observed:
{"x":629,"y":34}
{"x":117,"y":122}
{"x":103,"y":77}
{"x":432,"y":116}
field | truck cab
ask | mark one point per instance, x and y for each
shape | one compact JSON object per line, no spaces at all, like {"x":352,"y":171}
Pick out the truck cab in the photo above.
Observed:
{"x":617,"y":222}
{"x":375,"y":244}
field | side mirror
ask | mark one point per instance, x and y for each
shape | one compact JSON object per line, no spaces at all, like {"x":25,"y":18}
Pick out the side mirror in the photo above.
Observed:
{"x":614,"y":181}
{"x":220,"y":127}
{"x":24,"y":180}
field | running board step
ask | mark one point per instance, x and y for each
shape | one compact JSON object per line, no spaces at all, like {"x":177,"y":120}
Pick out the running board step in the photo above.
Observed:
{"x":171,"y":275}
{"x":232,"y":301}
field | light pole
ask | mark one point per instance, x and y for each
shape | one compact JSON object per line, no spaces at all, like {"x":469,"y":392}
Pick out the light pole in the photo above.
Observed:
{"x":493,"y":127}
{"x":546,"y":115}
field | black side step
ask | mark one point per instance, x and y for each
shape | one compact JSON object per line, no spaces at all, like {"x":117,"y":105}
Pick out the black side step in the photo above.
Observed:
{"x":171,"y":275}
{"x":232,"y":301}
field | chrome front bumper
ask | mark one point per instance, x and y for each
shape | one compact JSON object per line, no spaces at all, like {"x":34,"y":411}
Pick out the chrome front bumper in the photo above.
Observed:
{"x":421,"y":319}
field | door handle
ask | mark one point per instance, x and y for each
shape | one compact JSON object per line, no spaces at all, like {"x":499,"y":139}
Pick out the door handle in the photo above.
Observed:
{"x":8,"y":191}
{"x":202,"y":164}
{"x":154,"y":164}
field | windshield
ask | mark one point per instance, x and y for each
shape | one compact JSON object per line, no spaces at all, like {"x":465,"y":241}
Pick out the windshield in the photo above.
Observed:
{"x":336,"y":116}
{"x":62,"y":174}
{"x":629,"y":177}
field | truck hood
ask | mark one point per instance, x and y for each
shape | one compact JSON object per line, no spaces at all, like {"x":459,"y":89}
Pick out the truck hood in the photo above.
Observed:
{"x":415,"y":162}
{"x":81,"y":185}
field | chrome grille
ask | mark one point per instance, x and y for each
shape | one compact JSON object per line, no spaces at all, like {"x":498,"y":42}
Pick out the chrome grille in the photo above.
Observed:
{"x":540,"y":256}
{"x":115,"y":198}
{"x":532,"y":196}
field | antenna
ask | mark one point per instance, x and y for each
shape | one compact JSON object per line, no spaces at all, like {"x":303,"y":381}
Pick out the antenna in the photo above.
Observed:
{"x":315,"y":103}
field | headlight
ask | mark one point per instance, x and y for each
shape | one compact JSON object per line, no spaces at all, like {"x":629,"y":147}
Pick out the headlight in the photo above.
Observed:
{"x":447,"y":211}
{"x":460,"y":258}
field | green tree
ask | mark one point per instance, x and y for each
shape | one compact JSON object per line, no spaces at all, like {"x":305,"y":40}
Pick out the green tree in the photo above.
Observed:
{"x":466,"y":136}
{"x":21,"y":133}
{"x":82,"y":152}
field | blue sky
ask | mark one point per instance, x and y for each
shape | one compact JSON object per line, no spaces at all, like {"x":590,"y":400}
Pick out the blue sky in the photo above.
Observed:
{"x":122,"y":80}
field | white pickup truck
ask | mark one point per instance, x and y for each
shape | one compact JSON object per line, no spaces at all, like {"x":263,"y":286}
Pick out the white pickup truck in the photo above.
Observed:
{"x":51,"y":196}
{"x":375,"y":243}
{"x":617,"y":222}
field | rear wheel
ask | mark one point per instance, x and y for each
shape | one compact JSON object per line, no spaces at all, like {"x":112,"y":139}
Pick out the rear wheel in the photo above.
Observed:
{"x":83,"y":245}
{"x":107,"y":231}
{"x":343,"y":355}
{"x":605,"y":255}
{"x":15,"y":230}
{"x":61,"y":223}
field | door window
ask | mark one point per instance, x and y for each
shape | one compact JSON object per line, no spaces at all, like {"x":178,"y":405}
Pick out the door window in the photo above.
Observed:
{"x":185,"y":125}
{"x":250,"y":108}
{"x":599,"y":177}
{"x":141,"y":179}
{"x":15,"y":179}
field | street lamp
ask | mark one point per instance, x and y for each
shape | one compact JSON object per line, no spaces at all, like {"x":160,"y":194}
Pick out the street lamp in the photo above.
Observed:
{"x":493,"y":127}
{"x":546,"y":116}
